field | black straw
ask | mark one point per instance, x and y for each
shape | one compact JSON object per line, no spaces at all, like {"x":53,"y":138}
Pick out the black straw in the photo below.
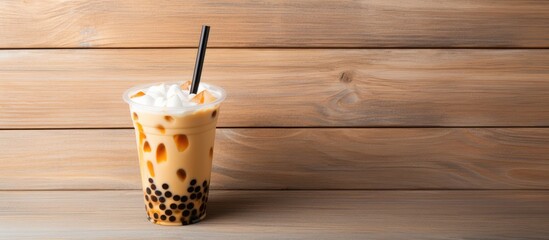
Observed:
{"x":200,"y":58}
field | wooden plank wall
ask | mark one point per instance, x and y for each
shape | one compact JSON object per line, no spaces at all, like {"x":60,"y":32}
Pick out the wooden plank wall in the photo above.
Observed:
{"x":275,"y":23}
{"x":366,"y":94}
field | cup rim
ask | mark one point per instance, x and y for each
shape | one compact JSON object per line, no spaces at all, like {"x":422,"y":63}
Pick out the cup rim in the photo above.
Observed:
{"x":127,"y":99}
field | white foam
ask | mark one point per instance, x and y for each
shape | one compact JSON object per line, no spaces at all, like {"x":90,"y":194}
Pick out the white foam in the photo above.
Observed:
{"x":169,"y":95}
{"x":144,"y":100}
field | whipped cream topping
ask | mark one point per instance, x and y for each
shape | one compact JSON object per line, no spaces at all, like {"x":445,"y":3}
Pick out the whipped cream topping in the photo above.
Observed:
{"x":174,"y":95}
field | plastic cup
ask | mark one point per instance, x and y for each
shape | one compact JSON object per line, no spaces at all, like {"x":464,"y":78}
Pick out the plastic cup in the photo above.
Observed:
{"x":175,"y":148}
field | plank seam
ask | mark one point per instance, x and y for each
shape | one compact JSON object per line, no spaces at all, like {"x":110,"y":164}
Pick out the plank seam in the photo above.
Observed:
{"x":293,"y":190}
{"x":288,"y":127}
{"x":297,"y":48}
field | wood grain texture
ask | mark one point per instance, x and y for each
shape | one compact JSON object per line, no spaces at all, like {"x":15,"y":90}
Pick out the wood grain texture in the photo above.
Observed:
{"x":383,"y":158}
{"x":284,"y":215}
{"x":275,"y":23}
{"x":292,"y":87}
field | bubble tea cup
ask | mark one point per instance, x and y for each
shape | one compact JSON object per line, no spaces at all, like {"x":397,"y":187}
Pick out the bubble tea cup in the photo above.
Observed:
{"x":175,"y":134}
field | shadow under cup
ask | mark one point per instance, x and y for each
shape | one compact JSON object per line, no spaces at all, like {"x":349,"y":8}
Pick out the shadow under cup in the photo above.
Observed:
{"x":175,"y":148}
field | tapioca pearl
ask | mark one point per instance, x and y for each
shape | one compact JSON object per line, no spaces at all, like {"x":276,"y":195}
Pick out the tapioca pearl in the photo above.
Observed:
{"x":158,"y":193}
{"x":151,"y":180}
{"x":151,"y":168}
{"x":162,"y":199}
{"x":198,"y":195}
{"x":169,"y":118}
{"x":201,"y":207}
{"x":184,"y":198}
{"x":165,"y":186}
{"x":205,"y":183}
{"x":168,"y":212}
{"x":181,"y":206}
{"x":186,"y":213}
{"x":148,"y":190}
{"x":172,"y":219}
{"x":161,"y":154}
{"x":193,"y":182}
{"x":197,"y":189}
{"x":154,"y":199}
{"x":150,"y":205}
{"x":190,"y":189}
{"x":193,"y":196}
{"x":168,"y":194}
{"x":146,"y":147}
{"x":204,"y":198}
{"x":153,"y":187}
{"x":135,"y":116}
{"x":147,"y":197}
{"x":211,"y":152}
{"x":194,"y":212}
{"x":162,"y":206}
{"x":181,"y":142}
{"x":155,"y":215}
{"x":163,"y":217}
{"x":173,"y":206}
{"x":161,"y":129}
{"x":214,"y":113}
{"x":176,"y":197}
{"x":181,"y":174}
{"x":190,"y":206}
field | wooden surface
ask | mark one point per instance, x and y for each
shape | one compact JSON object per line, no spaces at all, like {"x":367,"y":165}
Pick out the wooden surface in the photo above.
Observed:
{"x":275,"y":23}
{"x":351,"y":119}
{"x":345,"y":158}
{"x":266,"y":88}
{"x":284,"y":215}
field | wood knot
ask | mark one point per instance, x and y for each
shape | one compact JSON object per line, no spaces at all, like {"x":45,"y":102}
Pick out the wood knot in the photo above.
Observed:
{"x":346,"y":77}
